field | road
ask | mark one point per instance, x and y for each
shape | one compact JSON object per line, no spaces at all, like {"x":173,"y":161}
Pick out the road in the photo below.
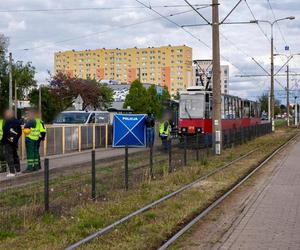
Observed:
{"x":265,"y":214}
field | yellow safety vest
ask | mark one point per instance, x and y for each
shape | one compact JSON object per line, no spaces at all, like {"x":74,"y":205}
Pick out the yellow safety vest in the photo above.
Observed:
{"x":35,"y":132}
{"x":165,"y":130}
{"x":1,"y":129}
{"x":41,"y":125}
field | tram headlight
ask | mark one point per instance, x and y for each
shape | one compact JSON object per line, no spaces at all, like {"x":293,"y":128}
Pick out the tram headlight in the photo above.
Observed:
{"x":199,"y":130}
{"x":184,"y":130}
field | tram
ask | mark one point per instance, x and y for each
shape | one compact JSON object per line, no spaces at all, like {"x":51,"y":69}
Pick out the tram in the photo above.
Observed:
{"x":195,"y":112}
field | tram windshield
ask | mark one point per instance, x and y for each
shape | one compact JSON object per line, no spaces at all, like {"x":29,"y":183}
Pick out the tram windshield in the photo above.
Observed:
{"x":192,"y":106}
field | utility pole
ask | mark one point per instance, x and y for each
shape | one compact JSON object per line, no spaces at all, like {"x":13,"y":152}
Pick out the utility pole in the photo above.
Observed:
{"x":10,"y":95}
{"x":16,"y":100}
{"x":296,"y":112}
{"x":40,"y":101}
{"x":272,"y":96}
{"x":269,"y":107}
{"x":216,"y":114}
{"x":288,"y":94}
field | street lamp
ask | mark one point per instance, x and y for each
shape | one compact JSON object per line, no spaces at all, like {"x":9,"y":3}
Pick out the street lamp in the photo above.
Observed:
{"x":272,"y":62}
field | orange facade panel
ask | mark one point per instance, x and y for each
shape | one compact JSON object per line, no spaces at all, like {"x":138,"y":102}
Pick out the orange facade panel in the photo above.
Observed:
{"x":166,"y":77}
{"x":100,"y":73}
{"x":69,"y":73}
{"x":132,"y":76}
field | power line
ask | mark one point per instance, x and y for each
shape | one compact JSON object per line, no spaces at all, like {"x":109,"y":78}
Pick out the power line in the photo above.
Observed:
{"x":176,"y":24}
{"x":274,"y":16}
{"x":259,"y":26}
{"x":104,"y":31}
{"x":97,"y":8}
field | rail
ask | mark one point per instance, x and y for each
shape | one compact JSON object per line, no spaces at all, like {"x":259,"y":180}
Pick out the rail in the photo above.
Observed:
{"x":217,"y":202}
{"x":62,"y":140}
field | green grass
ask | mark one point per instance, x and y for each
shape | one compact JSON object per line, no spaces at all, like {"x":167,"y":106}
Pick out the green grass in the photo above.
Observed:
{"x":58,"y":230}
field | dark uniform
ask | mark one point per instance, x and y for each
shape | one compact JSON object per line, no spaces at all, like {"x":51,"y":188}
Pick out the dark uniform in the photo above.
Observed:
{"x":12,"y":132}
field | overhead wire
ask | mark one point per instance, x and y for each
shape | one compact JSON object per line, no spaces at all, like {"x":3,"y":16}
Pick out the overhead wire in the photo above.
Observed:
{"x":279,"y":28}
{"x":103,"y":31}
{"x":95,"y":8}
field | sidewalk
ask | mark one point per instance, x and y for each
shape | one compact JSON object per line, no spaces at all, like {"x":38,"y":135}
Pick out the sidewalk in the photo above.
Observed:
{"x":273,"y":220}
{"x":76,"y":159}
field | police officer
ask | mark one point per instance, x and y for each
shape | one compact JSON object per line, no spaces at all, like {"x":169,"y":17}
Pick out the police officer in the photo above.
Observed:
{"x":3,"y":166}
{"x":165,"y":134}
{"x":36,"y":134}
{"x":12,"y":132}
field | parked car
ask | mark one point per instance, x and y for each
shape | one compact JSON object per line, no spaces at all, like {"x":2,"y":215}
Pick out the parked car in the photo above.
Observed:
{"x":82,"y":118}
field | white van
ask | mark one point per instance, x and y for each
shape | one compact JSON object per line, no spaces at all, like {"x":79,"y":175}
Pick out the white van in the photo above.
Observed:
{"x":82,"y":118}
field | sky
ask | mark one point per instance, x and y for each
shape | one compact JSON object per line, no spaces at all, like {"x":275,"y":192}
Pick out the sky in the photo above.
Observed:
{"x":35,"y":35}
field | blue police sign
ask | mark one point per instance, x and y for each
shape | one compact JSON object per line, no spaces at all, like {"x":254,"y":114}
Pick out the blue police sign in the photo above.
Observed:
{"x":129,"y":130}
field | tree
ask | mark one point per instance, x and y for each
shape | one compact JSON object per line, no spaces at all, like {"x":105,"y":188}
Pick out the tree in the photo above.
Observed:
{"x":22,"y":73}
{"x":154,"y":105}
{"x":50,"y":105}
{"x":177,"y":96}
{"x":137,"y":97}
{"x":264,"y":103}
{"x":66,"y":88}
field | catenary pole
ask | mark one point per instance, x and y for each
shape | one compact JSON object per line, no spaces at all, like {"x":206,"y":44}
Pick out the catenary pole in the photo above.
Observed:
{"x":216,"y":113}
{"x":10,"y":94}
{"x":288,"y":94}
{"x":272,"y":95}
{"x":40,"y":101}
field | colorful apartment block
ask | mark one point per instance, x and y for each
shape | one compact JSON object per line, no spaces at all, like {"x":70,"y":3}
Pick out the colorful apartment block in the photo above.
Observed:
{"x":169,"y":66}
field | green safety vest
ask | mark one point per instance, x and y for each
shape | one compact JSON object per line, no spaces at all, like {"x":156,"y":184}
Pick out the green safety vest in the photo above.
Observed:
{"x":1,"y":129}
{"x":35,"y":132}
{"x":165,"y":129}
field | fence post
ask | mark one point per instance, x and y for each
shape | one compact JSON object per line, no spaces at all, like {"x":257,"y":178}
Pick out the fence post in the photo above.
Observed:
{"x":151,"y":161}
{"x":197,"y":147}
{"x":63,"y":137}
{"x":79,"y":138}
{"x":94,"y":136}
{"x":126,"y":168}
{"x":207,"y":144}
{"x":46,"y":184}
{"x":93,"y":175}
{"x":185,"y":151}
{"x":106,"y":135}
{"x":170,"y":156}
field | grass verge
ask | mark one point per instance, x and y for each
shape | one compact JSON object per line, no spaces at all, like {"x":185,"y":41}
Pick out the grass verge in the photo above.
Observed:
{"x":51,"y":231}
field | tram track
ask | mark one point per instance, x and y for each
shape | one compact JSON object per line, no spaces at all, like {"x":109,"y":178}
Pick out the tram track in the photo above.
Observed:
{"x":151,"y":205}
{"x":196,"y":219}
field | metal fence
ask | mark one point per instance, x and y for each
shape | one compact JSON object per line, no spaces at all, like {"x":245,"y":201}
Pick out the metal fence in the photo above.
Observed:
{"x":58,"y":193}
{"x":70,"y":139}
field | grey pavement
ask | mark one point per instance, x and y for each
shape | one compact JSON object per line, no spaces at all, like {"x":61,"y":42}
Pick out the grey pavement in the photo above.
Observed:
{"x":77,"y":159}
{"x":273,"y":220}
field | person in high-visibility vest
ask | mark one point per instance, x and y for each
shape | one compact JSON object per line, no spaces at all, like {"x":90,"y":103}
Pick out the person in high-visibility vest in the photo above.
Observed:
{"x":165,"y":134}
{"x":3,"y":164}
{"x":42,"y":130}
{"x":34,"y":131}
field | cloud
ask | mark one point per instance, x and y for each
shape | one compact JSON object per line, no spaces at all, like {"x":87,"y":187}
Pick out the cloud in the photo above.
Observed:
{"x":46,"y":30}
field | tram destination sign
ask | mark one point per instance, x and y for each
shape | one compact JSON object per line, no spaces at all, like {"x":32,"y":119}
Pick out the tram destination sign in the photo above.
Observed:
{"x":129,"y":130}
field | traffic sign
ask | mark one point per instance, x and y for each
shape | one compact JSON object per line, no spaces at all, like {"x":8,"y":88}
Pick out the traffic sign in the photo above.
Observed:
{"x":129,"y":130}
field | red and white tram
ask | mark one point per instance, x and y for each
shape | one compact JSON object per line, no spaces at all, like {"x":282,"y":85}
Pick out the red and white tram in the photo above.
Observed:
{"x":195,"y":112}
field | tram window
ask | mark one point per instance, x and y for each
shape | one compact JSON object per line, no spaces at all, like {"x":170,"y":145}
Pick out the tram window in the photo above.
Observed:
{"x":252,"y":113}
{"x":226,"y":107}
{"x":192,"y":106}
{"x":223,"y":107}
{"x":246,"y":109}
